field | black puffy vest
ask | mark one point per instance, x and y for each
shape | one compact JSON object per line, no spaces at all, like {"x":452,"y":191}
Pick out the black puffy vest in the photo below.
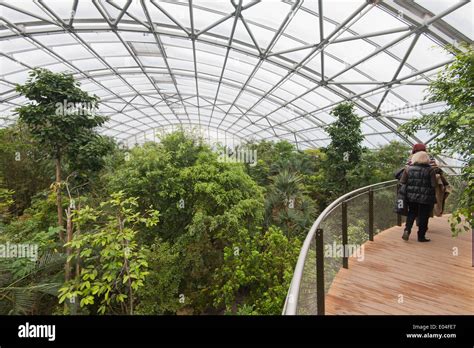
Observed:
{"x":418,"y":185}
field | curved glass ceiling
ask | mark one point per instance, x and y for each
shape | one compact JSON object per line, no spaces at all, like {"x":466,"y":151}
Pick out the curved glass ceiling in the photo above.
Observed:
{"x":238,"y":69}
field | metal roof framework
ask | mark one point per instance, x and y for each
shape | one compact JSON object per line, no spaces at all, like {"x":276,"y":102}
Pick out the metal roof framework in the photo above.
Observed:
{"x":238,"y":69}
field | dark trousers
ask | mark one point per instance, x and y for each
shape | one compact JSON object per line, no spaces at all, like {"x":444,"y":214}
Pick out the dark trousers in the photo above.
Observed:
{"x":422,"y":213}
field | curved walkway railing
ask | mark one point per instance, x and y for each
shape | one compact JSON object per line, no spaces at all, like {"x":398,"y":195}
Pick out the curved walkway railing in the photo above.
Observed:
{"x":339,"y":232}
{"x":313,"y":275}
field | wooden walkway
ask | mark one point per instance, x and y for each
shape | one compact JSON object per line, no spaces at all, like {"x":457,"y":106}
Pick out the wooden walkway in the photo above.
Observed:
{"x":398,"y":277}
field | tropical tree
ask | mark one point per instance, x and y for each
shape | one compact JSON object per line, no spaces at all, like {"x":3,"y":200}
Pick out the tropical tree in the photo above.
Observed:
{"x":345,"y":149}
{"x":203,"y":204}
{"x":58,"y":116}
{"x":287,"y":204}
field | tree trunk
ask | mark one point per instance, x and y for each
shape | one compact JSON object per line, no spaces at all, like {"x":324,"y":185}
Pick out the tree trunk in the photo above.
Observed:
{"x":78,"y":264}
{"x":59,"y":201}
{"x":129,"y":283}
{"x":121,"y":223}
{"x":67,"y":273}
{"x":67,"y":267}
{"x":78,"y":260}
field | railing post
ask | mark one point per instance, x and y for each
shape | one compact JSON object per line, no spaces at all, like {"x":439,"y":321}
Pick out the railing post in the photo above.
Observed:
{"x":371,"y":215}
{"x":345,"y":259}
{"x":320,"y":290}
{"x":399,"y":217}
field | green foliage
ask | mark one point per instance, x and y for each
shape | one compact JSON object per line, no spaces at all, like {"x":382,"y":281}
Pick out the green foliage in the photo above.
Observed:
{"x":87,"y":154}
{"x":55,"y":129}
{"x":246,"y":310}
{"x":30,"y":286}
{"x":156,"y":173}
{"x":227,"y":238}
{"x":257,"y":272}
{"x":61,"y":118}
{"x":345,"y":149}
{"x":378,"y":165}
{"x":274,"y":157}
{"x":453,"y":126}
{"x":266,"y":156}
{"x":287,"y":204}
{"x":40,"y":216}
{"x":6,"y":201}
{"x":462,"y":218}
{"x":26,"y":169}
{"x":184,"y":148}
{"x":314,"y":181}
{"x":23,"y":167}
{"x":160,"y":293}
{"x":114,"y":265}
{"x":225,"y":202}
{"x":289,"y":177}
{"x":203,"y":203}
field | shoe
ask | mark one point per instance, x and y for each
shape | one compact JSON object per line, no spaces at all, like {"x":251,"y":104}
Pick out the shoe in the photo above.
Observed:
{"x":424,"y":239}
{"x":406,"y":235}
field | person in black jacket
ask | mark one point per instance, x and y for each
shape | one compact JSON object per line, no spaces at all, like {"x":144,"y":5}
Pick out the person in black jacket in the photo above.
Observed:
{"x":420,"y":181}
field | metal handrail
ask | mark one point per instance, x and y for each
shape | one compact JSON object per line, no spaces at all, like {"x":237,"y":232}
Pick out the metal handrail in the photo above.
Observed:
{"x":291,"y":301}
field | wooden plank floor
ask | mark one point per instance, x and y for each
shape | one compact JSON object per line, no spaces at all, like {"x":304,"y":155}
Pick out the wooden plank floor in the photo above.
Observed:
{"x":398,"y":277}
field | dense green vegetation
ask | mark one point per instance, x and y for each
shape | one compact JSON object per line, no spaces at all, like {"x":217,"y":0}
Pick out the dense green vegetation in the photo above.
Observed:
{"x":163,"y":228}
{"x":167,"y":228}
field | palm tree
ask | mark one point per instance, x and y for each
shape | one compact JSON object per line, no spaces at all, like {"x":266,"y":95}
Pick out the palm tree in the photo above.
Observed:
{"x":287,"y":205}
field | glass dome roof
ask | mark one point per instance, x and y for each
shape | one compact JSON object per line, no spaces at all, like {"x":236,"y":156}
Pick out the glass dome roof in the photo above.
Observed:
{"x":237,"y":69}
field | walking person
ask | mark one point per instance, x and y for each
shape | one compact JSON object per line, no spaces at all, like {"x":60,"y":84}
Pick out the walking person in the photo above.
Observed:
{"x":420,"y":182}
{"x":442,"y":188}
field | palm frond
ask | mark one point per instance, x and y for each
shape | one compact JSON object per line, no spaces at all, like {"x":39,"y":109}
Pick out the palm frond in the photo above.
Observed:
{"x":22,"y":301}
{"x":21,"y":295}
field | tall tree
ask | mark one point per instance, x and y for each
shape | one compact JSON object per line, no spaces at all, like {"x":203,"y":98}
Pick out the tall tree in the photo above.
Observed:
{"x":58,"y":115}
{"x":345,"y":149}
{"x":453,"y":126}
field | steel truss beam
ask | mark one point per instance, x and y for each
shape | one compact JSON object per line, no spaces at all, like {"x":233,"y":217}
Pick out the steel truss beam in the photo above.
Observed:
{"x":420,"y":21}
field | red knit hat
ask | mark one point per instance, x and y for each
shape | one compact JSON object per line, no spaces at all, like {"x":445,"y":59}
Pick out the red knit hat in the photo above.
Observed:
{"x":418,"y":147}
